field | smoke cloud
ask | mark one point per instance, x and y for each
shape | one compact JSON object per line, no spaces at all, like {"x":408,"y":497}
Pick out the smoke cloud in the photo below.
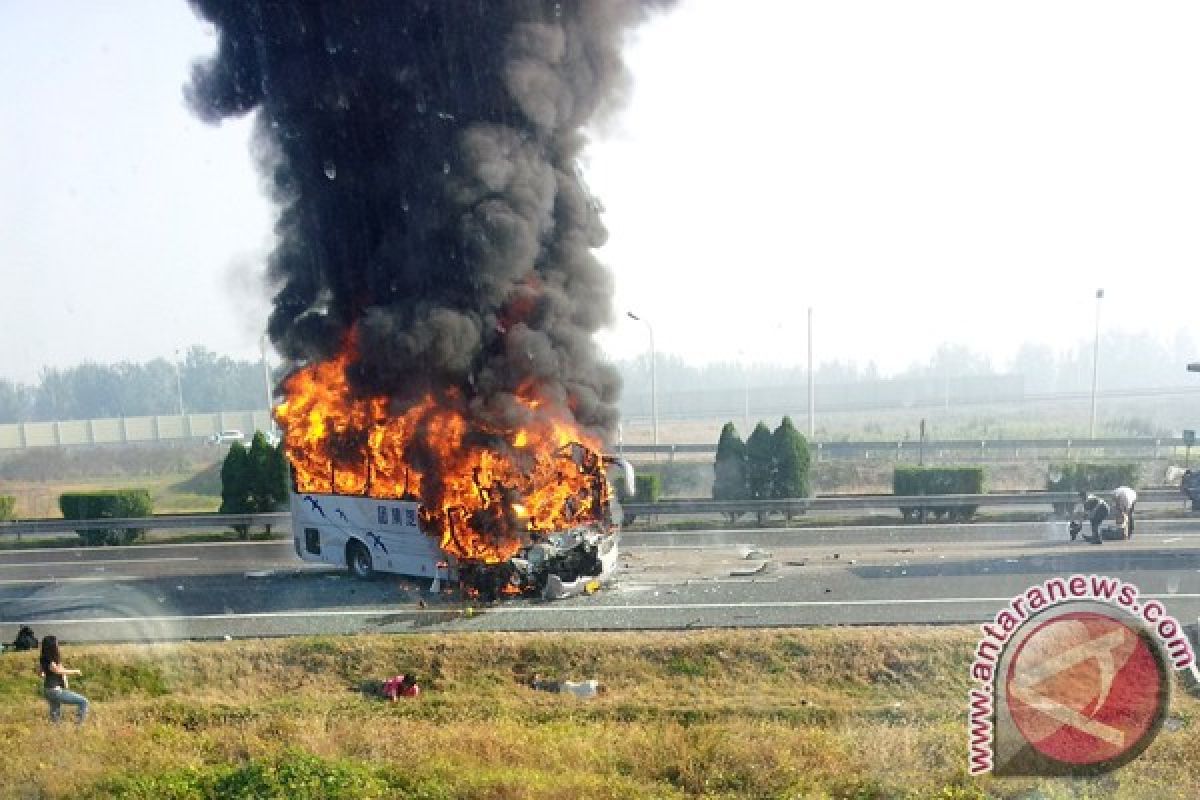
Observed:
{"x":423,"y":158}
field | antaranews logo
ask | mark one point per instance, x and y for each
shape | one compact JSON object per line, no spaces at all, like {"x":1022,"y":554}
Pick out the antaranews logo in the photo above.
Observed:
{"x":1072,"y":678}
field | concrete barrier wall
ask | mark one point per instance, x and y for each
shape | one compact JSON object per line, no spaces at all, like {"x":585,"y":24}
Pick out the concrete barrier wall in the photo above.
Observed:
{"x":17,"y":436}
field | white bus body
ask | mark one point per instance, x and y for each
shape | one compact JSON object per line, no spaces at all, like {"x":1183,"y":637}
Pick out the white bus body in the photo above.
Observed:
{"x":367,"y":535}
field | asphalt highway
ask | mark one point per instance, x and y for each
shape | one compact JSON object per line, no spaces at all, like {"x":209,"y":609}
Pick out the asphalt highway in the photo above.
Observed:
{"x":909,"y":574}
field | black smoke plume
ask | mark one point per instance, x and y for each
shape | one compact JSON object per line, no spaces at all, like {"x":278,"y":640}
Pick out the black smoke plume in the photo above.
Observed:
{"x":422,"y":155}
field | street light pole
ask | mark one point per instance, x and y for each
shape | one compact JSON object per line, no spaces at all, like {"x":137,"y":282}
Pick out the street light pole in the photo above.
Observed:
{"x":746,"y":398}
{"x":178,"y":383}
{"x":1095,"y":364}
{"x":653,"y":377}
{"x":812,"y":390}
{"x":262,"y":344}
{"x":743,"y":354}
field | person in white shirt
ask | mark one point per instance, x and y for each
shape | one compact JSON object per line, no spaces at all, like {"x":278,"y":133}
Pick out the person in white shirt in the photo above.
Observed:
{"x":1124,"y":499}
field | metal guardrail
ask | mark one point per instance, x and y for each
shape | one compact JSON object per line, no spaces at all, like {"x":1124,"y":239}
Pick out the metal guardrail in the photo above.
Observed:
{"x":874,"y":502}
{"x":930,"y":446}
{"x":123,"y":430}
{"x":882,"y":502}
{"x":161,"y":522}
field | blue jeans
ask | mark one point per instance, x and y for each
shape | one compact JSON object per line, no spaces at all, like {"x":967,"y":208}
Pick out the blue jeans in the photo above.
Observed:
{"x":56,"y":698}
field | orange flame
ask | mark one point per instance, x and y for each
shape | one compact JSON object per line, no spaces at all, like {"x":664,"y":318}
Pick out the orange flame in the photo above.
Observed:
{"x":482,"y":489}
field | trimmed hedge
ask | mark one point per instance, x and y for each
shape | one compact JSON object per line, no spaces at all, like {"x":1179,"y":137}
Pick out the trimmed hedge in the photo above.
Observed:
{"x":938,"y":480}
{"x":7,"y":504}
{"x":116,"y":503}
{"x":1085,"y":477}
{"x":648,"y":487}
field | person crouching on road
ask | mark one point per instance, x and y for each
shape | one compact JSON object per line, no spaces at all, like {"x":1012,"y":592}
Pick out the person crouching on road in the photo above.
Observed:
{"x":1096,"y":511}
{"x":54,"y":686}
{"x":1124,"y":499}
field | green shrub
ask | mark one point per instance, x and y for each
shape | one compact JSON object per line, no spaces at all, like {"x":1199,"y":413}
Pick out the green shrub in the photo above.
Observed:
{"x":760,"y":463}
{"x":254,"y":480}
{"x":648,"y":487}
{"x":1084,"y":477}
{"x":791,"y":462}
{"x":729,"y":469}
{"x":914,"y":481}
{"x":729,"y":466}
{"x":115,"y":504}
{"x":7,"y":504}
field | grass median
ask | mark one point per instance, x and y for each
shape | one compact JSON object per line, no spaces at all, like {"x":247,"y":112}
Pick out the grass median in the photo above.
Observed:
{"x":839,"y":713}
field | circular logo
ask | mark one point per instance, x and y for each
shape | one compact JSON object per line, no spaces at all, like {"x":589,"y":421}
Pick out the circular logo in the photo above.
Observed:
{"x":1087,"y":689}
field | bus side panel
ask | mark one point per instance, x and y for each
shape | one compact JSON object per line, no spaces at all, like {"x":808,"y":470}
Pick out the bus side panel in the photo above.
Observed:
{"x":389,"y":529}
{"x":315,"y":538}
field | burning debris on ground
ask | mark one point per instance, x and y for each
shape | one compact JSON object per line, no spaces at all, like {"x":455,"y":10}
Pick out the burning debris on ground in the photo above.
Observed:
{"x":436,"y":289}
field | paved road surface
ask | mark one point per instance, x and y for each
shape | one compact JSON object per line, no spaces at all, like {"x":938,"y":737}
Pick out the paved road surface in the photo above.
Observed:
{"x":909,"y":574}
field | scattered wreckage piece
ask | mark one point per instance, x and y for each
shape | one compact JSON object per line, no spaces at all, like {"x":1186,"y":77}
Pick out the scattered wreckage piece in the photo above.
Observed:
{"x":568,"y":564}
{"x":746,"y":573}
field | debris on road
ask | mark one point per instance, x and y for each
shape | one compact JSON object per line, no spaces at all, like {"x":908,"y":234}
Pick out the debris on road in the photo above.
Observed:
{"x":754,"y":554}
{"x":581,"y":689}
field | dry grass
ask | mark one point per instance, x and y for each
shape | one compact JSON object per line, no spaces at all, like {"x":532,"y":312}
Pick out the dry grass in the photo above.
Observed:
{"x":858,"y":713}
{"x":39,"y":499}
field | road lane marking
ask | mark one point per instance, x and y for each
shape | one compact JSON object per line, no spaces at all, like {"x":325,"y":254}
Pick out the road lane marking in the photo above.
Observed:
{"x":945,"y":529}
{"x":79,"y":579}
{"x":57,"y":598}
{"x":78,"y":563}
{"x":164,"y":545}
{"x":394,"y":611}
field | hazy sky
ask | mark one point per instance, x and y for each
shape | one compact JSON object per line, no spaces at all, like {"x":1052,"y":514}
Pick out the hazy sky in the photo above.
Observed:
{"x":918,"y":172}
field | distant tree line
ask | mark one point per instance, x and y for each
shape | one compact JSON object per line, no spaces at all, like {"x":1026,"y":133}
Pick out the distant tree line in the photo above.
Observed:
{"x":213,"y":382}
{"x":1127,"y":361}
{"x":209,"y":382}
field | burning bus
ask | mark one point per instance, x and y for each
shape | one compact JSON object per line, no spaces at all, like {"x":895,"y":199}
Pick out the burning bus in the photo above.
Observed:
{"x":369,"y":535}
{"x":434,"y":274}
{"x":429,"y":493}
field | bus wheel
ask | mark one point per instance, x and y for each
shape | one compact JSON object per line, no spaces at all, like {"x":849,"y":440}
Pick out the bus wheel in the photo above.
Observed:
{"x":358,"y":559}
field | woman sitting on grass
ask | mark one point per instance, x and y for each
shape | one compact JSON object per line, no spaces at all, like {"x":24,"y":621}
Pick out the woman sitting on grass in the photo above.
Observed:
{"x":54,"y":686}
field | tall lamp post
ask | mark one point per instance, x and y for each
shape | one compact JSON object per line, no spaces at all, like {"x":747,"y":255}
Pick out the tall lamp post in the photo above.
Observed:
{"x":178,"y":383}
{"x":812,"y":390}
{"x":1095,"y":364}
{"x":1189,"y":439}
{"x":262,"y":344}
{"x":653,"y":377}
{"x":743,"y":354}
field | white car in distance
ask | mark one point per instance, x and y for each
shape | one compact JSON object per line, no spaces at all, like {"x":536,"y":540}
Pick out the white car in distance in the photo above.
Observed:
{"x":227,"y":437}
